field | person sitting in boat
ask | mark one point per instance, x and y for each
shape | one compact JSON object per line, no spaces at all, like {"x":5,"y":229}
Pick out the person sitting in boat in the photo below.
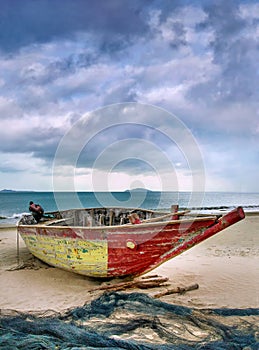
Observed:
{"x":134,"y":218}
{"x":36,"y":210}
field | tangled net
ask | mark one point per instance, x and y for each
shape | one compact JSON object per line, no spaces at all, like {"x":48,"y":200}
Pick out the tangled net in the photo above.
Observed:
{"x":133,"y":321}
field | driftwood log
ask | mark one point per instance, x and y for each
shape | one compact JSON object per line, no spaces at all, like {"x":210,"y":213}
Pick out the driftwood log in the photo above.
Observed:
{"x":180,"y":290}
{"x":144,"y":283}
{"x":147,"y":282}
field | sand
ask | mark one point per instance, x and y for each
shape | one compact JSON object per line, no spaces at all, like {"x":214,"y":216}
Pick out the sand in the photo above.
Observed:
{"x":226,"y":268}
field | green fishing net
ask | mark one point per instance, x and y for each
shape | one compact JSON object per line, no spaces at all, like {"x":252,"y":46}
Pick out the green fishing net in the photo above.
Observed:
{"x":132,"y":321}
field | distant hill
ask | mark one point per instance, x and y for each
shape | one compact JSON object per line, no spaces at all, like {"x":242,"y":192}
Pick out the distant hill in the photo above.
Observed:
{"x":7,"y":191}
{"x":14,"y":191}
{"x":138,"y":190}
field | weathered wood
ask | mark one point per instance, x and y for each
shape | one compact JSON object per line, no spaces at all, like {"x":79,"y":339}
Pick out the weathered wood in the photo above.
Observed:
{"x":159,"y":218}
{"x":150,"y":276}
{"x":150,"y":284}
{"x":142,"y":284}
{"x":174,"y":209}
{"x":179,"y":290}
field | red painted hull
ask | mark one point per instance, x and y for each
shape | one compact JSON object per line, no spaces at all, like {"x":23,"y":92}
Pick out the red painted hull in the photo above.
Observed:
{"x":129,"y":249}
{"x":150,"y":247}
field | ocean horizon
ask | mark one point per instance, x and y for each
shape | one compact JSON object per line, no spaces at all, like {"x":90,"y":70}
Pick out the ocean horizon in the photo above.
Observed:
{"x":13,"y":204}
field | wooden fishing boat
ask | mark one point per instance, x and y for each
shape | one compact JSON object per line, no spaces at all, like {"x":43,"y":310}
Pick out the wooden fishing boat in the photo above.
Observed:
{"x":101,"y":243}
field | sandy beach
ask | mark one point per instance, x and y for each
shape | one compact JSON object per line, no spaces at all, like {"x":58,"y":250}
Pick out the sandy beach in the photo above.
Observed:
{"x":226,"y":268}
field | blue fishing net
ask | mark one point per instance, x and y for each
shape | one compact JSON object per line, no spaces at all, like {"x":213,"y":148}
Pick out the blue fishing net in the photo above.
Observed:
{"x":132,"y":321}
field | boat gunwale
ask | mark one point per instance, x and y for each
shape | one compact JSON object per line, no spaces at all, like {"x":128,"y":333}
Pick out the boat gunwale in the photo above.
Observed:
{"x":128,"y":225}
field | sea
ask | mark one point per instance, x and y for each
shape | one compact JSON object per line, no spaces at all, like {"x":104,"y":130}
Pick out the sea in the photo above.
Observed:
{"x":13,"y":204}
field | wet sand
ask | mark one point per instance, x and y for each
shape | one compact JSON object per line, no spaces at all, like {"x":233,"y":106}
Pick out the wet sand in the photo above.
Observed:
{"x":226,"y":268}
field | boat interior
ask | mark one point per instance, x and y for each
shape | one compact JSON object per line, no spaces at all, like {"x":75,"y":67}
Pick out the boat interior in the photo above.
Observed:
{"x":103,"y":217}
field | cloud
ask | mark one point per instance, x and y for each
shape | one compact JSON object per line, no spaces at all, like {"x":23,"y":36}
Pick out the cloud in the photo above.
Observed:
{"x":197,"y":60}
{"x":133,"y":139}
{"x":29,"y":22}
{"x":234,"y":50}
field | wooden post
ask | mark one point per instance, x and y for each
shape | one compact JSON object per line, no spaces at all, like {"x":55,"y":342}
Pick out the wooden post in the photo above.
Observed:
{"x":174,"y":209}
{"x":111,"y":217}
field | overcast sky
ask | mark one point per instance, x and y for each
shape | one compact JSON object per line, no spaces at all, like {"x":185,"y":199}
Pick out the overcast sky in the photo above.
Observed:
{"x":118,"y":94}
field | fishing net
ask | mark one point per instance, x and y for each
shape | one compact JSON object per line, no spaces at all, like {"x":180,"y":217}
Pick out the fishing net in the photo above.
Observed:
{"x":132,"y":321}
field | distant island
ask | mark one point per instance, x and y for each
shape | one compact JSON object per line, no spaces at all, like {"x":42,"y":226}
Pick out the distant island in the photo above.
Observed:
{"x":13,"y":191}
{"x":139,"y":190}
{"x":7,"y":191}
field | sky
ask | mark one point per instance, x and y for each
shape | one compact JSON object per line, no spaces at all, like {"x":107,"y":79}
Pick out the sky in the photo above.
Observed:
{"x":111,"y":95}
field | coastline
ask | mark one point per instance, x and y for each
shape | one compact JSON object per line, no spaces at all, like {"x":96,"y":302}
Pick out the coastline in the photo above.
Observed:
{"x":225,"y":267}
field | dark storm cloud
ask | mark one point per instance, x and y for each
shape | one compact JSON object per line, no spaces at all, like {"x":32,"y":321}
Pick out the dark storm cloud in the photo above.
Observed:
{"x":42,"y":143}
{"x":227,"y":29}
{"x":180,"y":35}
{"x":58,"y":68}
{"x":167,"y":10}
{"x":39,"y":21}
{"x":235,"y":51}
{"x":167,"y":7}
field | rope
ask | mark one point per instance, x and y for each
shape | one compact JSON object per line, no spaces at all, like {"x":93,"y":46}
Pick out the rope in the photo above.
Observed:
{"x":17,"y":248}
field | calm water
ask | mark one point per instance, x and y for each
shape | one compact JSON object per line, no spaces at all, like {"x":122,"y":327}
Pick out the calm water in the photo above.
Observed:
{"x":14,"y":204}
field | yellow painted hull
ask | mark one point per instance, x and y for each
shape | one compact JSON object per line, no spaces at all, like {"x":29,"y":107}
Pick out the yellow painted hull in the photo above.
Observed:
{"x":80,"y":256}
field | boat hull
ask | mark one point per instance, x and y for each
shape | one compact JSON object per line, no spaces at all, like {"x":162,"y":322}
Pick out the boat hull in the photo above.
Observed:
{"x":118,"y":251}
